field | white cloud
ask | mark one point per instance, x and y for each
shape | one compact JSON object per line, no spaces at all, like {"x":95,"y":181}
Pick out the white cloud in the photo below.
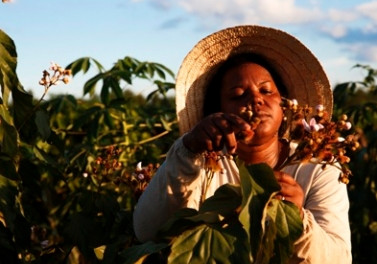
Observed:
{"x":370,"y":28}
{"x":160,"y":4}
{"x":367,"y":53}
{"x":351,"y":26}
{"x":335,"y":31}
{"x":337,"y":15}
{"x":251,"y":11}
{"x":368,"y":9}
{"x":337,"y":61}
{"x":286,"y":11}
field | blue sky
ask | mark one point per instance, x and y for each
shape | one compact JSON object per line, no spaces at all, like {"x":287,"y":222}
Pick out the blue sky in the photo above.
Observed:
{"x":341,"y":33}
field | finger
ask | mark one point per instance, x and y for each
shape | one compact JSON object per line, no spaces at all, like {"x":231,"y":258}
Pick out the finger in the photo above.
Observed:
{"x":288,"y":185}
{"x":195,"y":140}
{"x":231,"y":143}
{"x":284,"y":177}
{"x":201,"y":137}
{"x":215,"y":129}
{"x":292,"y":192}
{"x":227,"y":133}
{"x":288,"y":190}
{"x":243,"y":131}
{"x":238,"y":124}
{"x":280,"y":196}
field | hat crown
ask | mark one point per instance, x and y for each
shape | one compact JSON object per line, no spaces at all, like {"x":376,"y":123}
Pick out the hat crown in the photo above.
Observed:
{"x":298,"y":68}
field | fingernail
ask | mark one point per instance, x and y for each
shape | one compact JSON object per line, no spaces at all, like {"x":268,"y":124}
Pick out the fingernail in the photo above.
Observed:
{"x":246,"y":126}
{"x":231,"y":150}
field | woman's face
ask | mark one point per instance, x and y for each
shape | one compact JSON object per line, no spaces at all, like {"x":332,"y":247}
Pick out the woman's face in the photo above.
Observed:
{"x":250,"y":85}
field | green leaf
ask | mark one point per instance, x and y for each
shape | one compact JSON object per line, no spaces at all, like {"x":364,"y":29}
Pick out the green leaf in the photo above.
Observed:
{"x":152,"y":94}
{"x":88,"y":115}
{"x":107,"y":203}
{"x":165,"y":124}
{"x":160,"y":73}
{"x":150,"y":70}
{"x":5,"y":114}
{"x":272,"y":225}
{"x":286,"y":225}
{"x":128,"y":62}
{"x":162,"y":67}
{"x":87,"y":231}
{"x":42,"y":122}
{"x":137,"y":253}
{"x":115,"y":87}
{"x":8,"y":64}
{"x":24,"y":115}
{"x":225,"y":201}
{"x":108,"y":119}
{"x":8,"y":138}
{"x":90,"y":85}
{"x":83,"y":64}
{"x":7,"y":167}
{"x":205,"y":244}
{"x":179,"y":222}
{"x":124,"y":75}
{"x":43,"y":156}
{"x":8,"y":250}
{"x":22,"y":102}
{"x":10,"y":208}
{"x":141,"y":69}
{"x":105,"y":91}
{"x":258,"y":186}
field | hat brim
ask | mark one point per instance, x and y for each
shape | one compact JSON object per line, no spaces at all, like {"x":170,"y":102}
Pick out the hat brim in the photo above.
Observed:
{"x":298,"y":68}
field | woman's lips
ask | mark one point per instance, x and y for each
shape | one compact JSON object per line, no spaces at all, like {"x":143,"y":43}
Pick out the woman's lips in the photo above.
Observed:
{"x":262,"y":115}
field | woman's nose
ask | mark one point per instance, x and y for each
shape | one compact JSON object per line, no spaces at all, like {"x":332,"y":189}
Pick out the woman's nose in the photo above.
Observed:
{"x":255,"y":99}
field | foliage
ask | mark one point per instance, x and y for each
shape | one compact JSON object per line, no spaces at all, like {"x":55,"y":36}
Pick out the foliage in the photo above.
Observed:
{"x":66,"y":163}
{"x":359,"y":101}
{"x":67,"y":173}
{"x":238,"y":224}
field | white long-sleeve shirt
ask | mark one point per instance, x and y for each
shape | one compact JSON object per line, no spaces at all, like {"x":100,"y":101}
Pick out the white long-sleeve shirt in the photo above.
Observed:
{"x":179,"y":183}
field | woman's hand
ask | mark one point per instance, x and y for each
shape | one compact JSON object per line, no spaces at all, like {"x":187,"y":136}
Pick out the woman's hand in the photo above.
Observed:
{"x":290,"y":190}
{"x":216,"y":131}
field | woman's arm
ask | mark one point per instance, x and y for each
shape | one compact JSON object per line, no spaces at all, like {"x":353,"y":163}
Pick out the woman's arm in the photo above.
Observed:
{"x":326,"y":236}
{"x":176,"y":184}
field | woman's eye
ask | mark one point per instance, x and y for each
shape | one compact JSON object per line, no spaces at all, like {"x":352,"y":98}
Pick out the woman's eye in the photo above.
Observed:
{"x":266,"y":90}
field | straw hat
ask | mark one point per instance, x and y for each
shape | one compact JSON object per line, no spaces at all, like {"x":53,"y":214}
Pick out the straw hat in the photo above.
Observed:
{"x":298,"y":68}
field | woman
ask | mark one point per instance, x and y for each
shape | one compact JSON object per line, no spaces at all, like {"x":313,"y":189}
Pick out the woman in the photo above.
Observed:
{"x":249,"y":68}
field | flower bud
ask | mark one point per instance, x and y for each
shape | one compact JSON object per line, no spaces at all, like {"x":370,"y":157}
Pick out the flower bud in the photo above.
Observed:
{"x":138,"y":166}
{"x":67,"y":72}
{"x":340,"y":139}
{"x":66,"y":80}
{"x":344,"y":117}
{"x":319,"y":108}
{"x":344,"y":179}
{"x":348,"y":125}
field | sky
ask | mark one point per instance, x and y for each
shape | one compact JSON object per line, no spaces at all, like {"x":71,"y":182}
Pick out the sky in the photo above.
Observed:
{"x":341,"y":33}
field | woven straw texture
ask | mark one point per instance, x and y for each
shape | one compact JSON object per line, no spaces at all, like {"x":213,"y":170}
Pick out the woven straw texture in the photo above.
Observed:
{"x":298,"y":68}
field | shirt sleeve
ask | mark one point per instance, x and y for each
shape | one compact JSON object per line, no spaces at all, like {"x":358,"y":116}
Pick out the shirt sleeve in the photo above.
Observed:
{"x":326,"y":235}
{"x":176,"y":184}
